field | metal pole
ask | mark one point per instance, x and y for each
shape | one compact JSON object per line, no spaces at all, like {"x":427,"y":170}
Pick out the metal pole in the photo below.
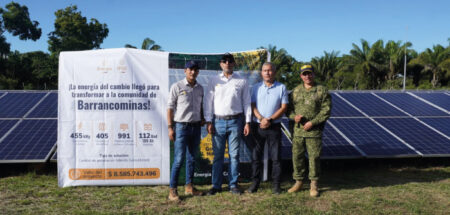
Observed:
{"x":404,"y":68}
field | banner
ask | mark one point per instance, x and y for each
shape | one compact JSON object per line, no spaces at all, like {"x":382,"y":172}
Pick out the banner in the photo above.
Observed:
{"x":112,"y":127}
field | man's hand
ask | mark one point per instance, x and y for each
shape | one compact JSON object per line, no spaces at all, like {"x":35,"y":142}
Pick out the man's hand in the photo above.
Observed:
{"x":307,"y":126}
{"x":246,"y":129}
{"x":297,"y":118}
{"x":210,"y":128}
{"x":265,"y":123}
{"x":171,"y":134}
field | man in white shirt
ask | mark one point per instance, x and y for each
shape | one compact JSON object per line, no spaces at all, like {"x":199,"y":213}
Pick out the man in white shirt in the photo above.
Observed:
{"x":228,"y":116}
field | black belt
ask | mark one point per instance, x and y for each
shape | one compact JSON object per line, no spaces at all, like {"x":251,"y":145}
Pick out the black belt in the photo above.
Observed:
{"x":190,"y":123}
{"x":228,"y":117}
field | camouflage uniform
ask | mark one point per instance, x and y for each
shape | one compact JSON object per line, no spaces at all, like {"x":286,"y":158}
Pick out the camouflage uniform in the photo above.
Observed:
{"x":315,"y":106}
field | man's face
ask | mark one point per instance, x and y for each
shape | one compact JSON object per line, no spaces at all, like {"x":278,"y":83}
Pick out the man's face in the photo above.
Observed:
{"x":268,"y":74}
{"x":191,"y":74}
{"x":227,"y":66}
{"x":307,"y":77}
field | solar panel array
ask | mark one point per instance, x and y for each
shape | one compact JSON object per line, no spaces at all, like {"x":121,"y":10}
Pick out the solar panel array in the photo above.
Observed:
{"x":362,"y":125}
{"x":28,"y":126}
{"x":384,"y":125}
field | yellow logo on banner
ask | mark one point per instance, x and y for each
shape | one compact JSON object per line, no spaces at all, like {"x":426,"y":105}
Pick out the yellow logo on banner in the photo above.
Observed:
{"x":207,"y":150}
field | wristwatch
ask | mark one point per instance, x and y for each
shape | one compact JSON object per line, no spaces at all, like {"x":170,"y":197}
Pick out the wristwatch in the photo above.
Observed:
{"x":270,"y":120}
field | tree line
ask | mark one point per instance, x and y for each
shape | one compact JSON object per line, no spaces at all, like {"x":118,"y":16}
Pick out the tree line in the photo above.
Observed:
{"x":366,"y":67}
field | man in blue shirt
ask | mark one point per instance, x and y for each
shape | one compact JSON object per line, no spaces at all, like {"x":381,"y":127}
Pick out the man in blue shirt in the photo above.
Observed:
{"x":269,"y":102}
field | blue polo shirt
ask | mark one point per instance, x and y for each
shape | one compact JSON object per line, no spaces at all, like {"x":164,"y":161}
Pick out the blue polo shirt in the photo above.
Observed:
{"x":269,"y":99}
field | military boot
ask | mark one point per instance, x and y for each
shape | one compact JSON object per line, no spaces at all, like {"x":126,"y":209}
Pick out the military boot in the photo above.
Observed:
{"x":297,"y":186}
{"x":189,"y":189}
{"x":173,"y":195}
{"x":314,"y":191}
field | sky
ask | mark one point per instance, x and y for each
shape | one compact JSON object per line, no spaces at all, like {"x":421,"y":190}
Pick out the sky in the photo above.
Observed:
{"x":305,"y":29}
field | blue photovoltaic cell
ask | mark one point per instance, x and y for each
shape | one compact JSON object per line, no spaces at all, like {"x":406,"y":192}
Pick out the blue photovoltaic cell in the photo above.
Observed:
{"x":370,"y":138}
{"x":411,"y":105}
{"x":30,"y":140}
{"x":440,"y":99}
{"x":5,"y":125}
{"x":48,"y":108}
{"x":441,"y":124}
{"x":418,"y":136}
{"x":340,"y":108}
{"x":371,"y":105}
{"x":16,"y":105}
{"x":335,"y":146}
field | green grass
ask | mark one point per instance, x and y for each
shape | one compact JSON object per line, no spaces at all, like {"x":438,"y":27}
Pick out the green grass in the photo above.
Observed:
{"x":409,"y":190}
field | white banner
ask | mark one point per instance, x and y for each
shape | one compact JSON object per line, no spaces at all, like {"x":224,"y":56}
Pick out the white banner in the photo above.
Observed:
{"x":112,"y":118}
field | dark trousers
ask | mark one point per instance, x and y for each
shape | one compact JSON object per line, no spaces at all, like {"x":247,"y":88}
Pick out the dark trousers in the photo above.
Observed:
{"x":271,"y":136}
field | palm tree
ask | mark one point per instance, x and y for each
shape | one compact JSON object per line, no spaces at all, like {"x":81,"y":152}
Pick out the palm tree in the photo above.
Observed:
{"x":369,"y":61}
{"x":147,"y":44}
{"x":327,"y":65}
{"x":436,"y":61}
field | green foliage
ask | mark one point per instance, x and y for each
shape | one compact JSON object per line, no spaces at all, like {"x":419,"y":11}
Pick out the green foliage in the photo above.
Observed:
{"x":73,"y":32}
{"x":286,"y":66}
{"x":16,"y":20}
{"x":147,"y":44}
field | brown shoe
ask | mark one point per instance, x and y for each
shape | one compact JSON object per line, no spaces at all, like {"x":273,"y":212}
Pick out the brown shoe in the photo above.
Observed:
{"x":173,"y":195}
{"x":189,"y":189}
{"x":297,"y":186}
{"x":314,"y":191}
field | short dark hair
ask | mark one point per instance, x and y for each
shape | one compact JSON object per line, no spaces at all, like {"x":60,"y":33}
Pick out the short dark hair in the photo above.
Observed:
{"x":227,"y":57}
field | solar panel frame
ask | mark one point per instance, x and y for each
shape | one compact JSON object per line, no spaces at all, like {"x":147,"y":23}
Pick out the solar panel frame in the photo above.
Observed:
{"x":440,"y":99}
{"x":442,"y":124}
{"x":47,"y":107}
{"x":412,"y":131}
{"x":411,"y":105}
{"x":340,"y":108}
{"x":27,"y":144}
{"x":11,"y":105}
{"x":371,"y":105}
{"x":334,"y":146}
{"x":372,"y":139}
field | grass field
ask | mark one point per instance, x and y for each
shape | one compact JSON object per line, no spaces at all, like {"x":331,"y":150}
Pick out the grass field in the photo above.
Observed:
{"x":344,"y":190}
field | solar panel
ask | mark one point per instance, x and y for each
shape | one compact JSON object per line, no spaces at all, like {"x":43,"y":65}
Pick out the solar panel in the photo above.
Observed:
{"x":54,"y":157}
{"x":419,"y":136}
{"x":31,"y":140}
{"x":48,"y":108}
{"x":441,"y":124}
{"x":440,"y":99}
{"x":411,"y":105}
{"x":340,"y":108}
{"x":371,"y":139}
{"x":286,"y":147}
{"x":16,"y":105}
{"x":335,"y":146}
{"x":371,"y":105}
{"x":5,"y":125}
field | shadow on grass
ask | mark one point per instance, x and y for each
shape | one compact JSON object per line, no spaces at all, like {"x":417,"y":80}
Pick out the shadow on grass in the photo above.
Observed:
{"x":362,"y":173}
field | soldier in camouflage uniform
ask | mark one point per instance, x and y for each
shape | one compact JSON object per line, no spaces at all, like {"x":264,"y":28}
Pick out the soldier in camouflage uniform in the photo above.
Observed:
{"x":310,"y":107}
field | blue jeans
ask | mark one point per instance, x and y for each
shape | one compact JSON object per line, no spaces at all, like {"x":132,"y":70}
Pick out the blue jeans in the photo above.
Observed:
{"x":187,"y":138}
{"x":231,"y":131}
